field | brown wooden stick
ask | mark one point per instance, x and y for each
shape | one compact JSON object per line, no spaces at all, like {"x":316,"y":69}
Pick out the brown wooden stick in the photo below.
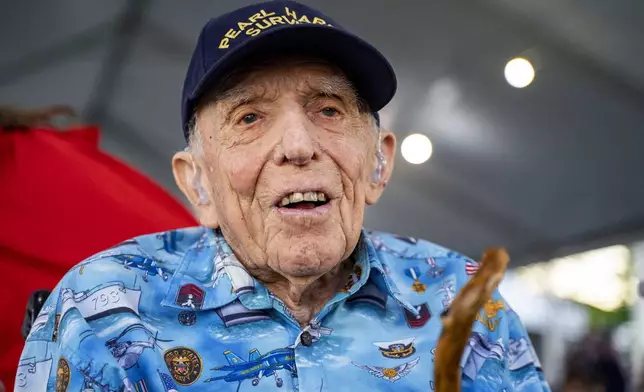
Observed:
{"x":458,"y":320}
{"x":12,"y":118}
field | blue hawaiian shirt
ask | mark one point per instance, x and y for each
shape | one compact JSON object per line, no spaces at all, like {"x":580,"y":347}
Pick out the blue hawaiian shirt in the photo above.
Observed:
{"x":177,"y":311}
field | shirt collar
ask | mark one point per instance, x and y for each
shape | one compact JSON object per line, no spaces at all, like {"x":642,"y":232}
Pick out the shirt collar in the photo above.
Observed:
{"x":210,"y":277}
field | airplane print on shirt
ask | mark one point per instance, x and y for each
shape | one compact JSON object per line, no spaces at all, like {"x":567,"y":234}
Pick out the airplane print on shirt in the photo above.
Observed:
{"x":177,"y":310}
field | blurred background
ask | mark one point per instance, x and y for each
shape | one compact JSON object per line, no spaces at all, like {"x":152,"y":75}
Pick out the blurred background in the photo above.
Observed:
{"x":525,"y":121}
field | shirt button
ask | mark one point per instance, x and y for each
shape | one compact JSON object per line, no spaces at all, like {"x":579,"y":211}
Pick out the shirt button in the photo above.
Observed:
{"x":306,"y":339}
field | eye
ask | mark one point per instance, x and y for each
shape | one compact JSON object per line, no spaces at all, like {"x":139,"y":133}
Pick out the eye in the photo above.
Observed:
{"x":329,"y":112}
{"x":249,"y":118}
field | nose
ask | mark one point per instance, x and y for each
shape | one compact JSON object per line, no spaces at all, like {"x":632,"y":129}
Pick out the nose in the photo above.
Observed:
{"x":297,"y":145}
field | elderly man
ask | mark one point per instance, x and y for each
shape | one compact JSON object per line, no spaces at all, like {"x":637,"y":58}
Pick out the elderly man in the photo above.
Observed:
{"x":280,"y":288}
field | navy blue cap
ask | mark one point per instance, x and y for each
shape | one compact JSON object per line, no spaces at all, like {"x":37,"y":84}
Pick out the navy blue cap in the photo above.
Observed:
{"x":278,"y":28}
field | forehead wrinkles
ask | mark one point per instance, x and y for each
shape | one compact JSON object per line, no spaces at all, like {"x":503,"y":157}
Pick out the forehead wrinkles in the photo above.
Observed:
{"x":269,"y":83}
{"x":332,"y":86}
{"x":244,"y":93}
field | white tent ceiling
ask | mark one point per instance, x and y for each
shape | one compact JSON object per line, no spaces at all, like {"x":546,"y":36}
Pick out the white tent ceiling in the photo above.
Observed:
{"x":546,"y":170}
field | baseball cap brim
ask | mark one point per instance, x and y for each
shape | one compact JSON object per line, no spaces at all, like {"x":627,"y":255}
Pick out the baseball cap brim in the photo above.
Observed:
{"x":365,"y":67}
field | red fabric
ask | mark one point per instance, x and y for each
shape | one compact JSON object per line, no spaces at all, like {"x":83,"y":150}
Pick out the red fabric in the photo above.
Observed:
{"x":62,"y":200}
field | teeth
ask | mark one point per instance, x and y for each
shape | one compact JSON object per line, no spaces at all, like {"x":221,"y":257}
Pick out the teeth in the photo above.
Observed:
{"x":296,"y":197}
{"x":311,"y":196}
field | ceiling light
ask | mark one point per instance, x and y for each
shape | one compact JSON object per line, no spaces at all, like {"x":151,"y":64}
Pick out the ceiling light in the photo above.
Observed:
{"x":519,"y":72}
{"x":416,"y":148}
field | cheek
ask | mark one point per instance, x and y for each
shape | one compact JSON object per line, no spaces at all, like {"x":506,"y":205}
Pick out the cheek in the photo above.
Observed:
{"x":350,"y":155}
{"x":242,"y":168}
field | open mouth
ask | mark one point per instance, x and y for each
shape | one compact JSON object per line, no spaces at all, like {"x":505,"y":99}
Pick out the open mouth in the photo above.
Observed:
{"x":304,"y":200}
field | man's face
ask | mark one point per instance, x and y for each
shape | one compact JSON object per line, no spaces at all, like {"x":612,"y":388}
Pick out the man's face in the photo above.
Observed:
{"x":287,"y":156}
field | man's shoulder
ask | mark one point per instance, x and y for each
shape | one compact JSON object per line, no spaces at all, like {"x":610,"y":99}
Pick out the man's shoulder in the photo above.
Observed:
{"x":164,"y":245}
{"x":399,"y":254}
{"x":116,"y":278}
{"x":405,"y":247}
{"x":149,"y":256}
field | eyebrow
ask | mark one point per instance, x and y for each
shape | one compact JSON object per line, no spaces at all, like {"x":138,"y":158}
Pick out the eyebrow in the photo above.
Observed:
{"x":238,"y":96}
{"x":333,"y":86}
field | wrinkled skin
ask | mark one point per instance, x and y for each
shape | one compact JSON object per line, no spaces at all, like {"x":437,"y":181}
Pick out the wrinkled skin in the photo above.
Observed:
{"x":295,"y":126}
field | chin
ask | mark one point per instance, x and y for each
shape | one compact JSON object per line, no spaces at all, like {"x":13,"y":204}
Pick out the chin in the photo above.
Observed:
{"x":303,"y":257}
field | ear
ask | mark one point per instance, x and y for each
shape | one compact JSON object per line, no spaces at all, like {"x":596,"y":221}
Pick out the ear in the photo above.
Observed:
{"x":190,"y":178}
{"x":388,"y":147}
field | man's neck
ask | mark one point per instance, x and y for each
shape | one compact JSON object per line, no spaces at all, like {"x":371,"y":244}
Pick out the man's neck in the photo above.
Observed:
{"x":305,"y":297}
